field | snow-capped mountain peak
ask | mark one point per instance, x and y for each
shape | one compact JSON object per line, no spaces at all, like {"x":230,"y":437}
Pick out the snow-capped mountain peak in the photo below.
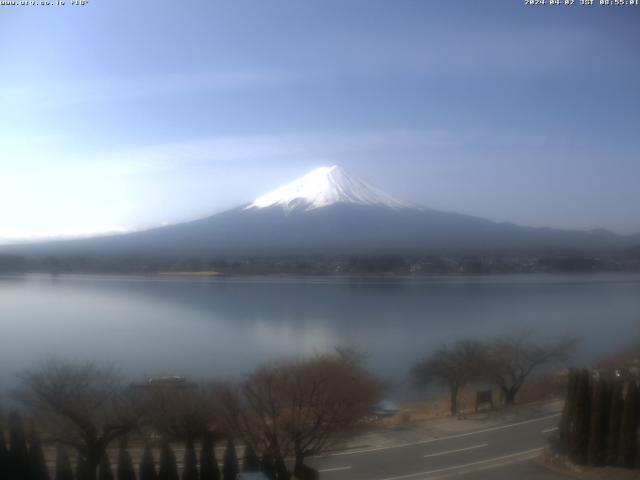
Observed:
{"x":326,"y":186}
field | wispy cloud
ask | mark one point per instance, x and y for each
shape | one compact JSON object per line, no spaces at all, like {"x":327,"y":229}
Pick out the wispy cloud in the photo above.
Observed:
{"x":52,"y":92}
{"x":9,"y":236}
{"x":470,"y":53}
{"x":87,"y":193}
{"x":300,"y":146}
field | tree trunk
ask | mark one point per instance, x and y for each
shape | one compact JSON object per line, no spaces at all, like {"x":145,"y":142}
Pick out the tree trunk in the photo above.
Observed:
{"x":299,"y":463}
{"x":92,"y":463}
{"x":454,"y":399}
{"x":281,"y":469}
{"x":510,"y":395}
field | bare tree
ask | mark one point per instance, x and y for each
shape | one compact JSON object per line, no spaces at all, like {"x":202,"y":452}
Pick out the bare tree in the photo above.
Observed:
{"x":182,"y":413}
{"x":298,"y":408}
{"x":510,"y":360}
{"x":451,"y":366}
{"x":80,"y":405}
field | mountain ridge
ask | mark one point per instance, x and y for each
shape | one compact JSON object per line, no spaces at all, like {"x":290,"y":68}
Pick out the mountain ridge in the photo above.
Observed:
{"x":330,"y":212}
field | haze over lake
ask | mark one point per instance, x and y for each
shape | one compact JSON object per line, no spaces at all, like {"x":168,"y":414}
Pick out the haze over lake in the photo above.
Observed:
{"x":224,"y":327}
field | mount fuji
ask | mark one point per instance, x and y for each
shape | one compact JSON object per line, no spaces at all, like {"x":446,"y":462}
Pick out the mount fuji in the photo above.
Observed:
{"x":328,"y":212}
{"x":323,"y":187}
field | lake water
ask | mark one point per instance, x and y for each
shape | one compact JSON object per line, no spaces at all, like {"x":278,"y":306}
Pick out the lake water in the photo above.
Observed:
{"x":225,"y":327}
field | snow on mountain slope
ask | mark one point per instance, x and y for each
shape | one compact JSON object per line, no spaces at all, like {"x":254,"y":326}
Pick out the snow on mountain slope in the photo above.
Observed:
{"x":326,"y":186}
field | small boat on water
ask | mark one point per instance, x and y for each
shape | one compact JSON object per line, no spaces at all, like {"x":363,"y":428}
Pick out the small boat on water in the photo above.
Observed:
{"x":166,"y":381}
{"x":385,"y":408}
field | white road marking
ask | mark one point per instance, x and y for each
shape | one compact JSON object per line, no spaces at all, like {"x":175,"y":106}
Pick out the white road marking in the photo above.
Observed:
{"x":334,"y":469}
{"x":549,"y":430}
{"x":432,"y":440}
{"x":456,"y":451}
{"x":465,"y":465}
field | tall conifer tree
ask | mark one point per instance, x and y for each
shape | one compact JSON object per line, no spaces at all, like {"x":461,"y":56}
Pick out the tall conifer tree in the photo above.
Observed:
{"x":4,"y":456}
{"x":190,"y":462}
{"x":268,"y":467}
{"x":582,"y":415}
{"x":81,"y":468}
{"x":208,"y":463}
{"x":104,"y":468}
{"x":566,"y":422}
{"x":629,"y":428}
{"x":230,"y":462}
{"x":147,"y":465}
{"x":168,"y":469}
{"x":63,"y":465}
{"x":615,"y":419}
{"x":599,"y":422}
{"x":125,"y":465}
{"x":18,"y":451}
{"x":281,"y":469}
{"x":251,"y":461}
{"x":37,"y":464}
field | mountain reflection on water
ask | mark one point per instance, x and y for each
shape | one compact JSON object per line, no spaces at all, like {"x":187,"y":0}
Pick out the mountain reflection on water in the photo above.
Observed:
{"x":224,"y":327}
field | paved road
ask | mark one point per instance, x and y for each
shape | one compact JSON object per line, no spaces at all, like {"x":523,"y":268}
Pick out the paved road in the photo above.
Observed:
{"x":506,"y":448}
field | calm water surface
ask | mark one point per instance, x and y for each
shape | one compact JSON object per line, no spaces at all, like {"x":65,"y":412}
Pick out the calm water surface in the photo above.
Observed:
{"x":225,"y":327}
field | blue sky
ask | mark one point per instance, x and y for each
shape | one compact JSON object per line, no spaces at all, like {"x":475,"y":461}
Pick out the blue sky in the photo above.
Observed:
{"x":121,"y":115}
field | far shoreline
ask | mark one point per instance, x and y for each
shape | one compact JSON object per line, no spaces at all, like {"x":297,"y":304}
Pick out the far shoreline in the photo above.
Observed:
{"x":211,"y":274}
{"x":206,"y":273}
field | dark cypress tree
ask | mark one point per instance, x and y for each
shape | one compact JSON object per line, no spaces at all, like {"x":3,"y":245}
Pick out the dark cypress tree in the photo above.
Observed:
{"x":37,"y":464}
{"x":63,"y":465}
{"x":582,"y":414}
{"x":251,"y":461}
{"x":615,"y":418}
{"x":208,"y":463}
{"x":628,"y":428}
{"x":268,"y":467}
{"x":597,"y":452}
{"x":81,"y":468}
{"x":147,"y":465}
{"x":18,"y":451}
{"x":168,"y":469}
{"x":104,"y":468}
{"x":566,"y":422}
{"x":125,"y":465}
{"x":281,"y":469}
{"x":4,"y":456}
{"x":230,"y":462}
{"x":190,"y":462}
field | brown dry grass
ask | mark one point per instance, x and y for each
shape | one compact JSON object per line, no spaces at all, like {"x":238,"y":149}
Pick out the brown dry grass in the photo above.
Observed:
{"x":537,"y":389}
